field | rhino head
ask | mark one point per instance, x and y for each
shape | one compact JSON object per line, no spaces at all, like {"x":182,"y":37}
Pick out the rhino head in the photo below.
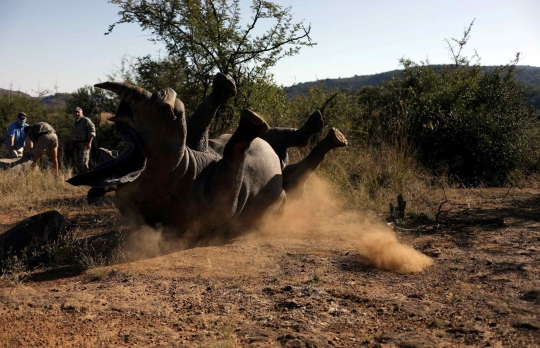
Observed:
{"x":154,"y":127}
{"x":158,"y":119}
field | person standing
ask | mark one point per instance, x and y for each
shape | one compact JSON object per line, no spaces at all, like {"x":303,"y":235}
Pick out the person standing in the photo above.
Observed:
{"x":16,"y":137}
{"x":44,"y":137}
{"x":83,"y":133}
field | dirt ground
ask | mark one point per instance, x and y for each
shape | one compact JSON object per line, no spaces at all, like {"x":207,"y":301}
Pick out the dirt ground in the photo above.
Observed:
{"x":306,"y":283}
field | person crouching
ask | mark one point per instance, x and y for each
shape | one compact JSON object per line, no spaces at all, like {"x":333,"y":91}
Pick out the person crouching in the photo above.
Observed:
{"x":44,"y":138}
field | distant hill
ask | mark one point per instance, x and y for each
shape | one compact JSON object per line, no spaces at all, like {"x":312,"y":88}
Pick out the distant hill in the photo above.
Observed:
{"x":17,"y":93}
{"x":50,"y":100}
{"x":528,"y":75}
{"x":54,"y":99}
{"x":355,"y":82}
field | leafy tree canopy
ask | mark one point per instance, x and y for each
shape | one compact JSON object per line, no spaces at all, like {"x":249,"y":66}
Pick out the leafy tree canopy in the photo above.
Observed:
{"x":203,"y":37}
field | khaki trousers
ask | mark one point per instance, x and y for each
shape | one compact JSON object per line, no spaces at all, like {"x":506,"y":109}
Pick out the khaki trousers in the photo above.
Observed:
{"x":82,"y":156}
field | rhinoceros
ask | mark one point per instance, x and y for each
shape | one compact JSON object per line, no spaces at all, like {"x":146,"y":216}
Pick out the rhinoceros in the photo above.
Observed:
{"x":172,"y":175}
{"x":16,"y":164}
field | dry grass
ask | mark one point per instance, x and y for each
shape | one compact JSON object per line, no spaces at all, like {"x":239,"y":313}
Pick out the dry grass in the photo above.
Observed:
{"x":14,"y":270}
{"x":104,"y":118}
{"x":369,"y":179}
{"x":35,"y":188}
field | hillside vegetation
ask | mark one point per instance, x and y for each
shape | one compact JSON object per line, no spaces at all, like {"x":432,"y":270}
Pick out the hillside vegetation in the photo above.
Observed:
{"x":468,"y":123}
{"x":528,"y":76}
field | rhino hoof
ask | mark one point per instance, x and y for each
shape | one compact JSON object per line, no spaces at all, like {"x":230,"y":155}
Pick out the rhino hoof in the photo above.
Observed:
{"x":314,"y":123}
{"x":223,"y":86}
{"x":336,"y":138}
{"x":255,"y":123}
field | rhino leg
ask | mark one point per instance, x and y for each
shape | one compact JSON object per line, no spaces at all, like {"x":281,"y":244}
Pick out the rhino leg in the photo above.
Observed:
{"x":223,"y":88}
{"x":282,"y":138}
{"x":229,"y":171}
{"x":296,"y":175}
{"x":313,"y":125}
{"x":250,"y":127}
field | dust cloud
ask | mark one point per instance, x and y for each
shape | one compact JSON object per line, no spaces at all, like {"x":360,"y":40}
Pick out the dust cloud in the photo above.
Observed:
{"x":319,"y":216}
{"x":147,"y":242}
{"x":381,"y":249}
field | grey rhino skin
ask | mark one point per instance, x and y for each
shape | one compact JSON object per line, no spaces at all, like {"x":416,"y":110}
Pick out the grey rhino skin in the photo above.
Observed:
{"x":172,"y":175}
{"x":16,"y":165}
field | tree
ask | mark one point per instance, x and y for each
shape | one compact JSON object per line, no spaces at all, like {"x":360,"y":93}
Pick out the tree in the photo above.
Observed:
{"x":11,"y":103}
{"x":94,"y":102}
{"x":203,"y":37}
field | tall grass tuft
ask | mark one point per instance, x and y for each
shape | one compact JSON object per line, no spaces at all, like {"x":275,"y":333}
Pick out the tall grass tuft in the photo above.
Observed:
{"x":34,"y":187}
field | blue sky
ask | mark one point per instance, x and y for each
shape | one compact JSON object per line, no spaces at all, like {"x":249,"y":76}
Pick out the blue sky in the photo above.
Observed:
{"x":44,"y":43}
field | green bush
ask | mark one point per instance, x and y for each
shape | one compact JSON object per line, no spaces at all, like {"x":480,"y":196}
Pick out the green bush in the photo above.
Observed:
{"x":464,"y":122}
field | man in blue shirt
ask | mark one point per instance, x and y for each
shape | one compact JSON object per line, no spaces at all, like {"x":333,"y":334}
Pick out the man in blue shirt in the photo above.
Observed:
{"x":16,"y":137}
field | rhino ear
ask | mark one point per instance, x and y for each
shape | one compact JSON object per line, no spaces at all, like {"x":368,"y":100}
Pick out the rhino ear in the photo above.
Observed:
{"x":132,"y":94}
{"x":168,"y":99}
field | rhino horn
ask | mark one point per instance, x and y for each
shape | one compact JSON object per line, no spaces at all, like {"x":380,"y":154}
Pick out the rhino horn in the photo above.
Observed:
{"x":132,"y":94}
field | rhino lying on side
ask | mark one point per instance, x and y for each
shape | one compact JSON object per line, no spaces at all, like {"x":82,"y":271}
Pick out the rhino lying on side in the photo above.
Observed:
{"x":16,"y":164}
{"x":172,"y":175}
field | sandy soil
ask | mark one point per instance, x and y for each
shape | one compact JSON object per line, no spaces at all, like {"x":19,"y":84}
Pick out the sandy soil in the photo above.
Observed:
{"x":308,"y":281}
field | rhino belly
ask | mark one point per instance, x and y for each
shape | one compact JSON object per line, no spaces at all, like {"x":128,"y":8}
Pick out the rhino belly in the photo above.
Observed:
{"x":262,"y":191}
